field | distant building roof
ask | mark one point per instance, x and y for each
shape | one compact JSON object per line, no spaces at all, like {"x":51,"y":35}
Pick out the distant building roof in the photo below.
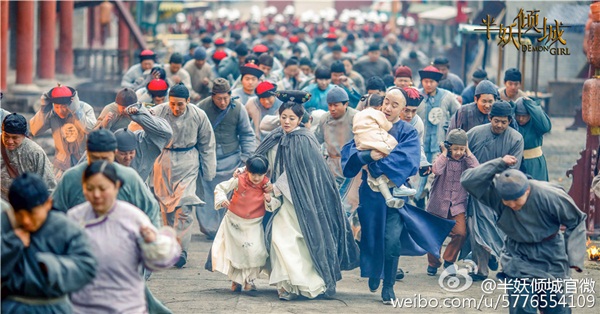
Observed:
{"x":570,"y":15}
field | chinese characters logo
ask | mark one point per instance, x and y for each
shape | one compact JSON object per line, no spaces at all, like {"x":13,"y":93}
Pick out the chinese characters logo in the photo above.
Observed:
{"x":528,"y":33}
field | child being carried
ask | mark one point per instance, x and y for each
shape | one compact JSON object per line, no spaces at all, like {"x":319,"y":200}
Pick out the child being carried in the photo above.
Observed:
{"x":370,"y":127}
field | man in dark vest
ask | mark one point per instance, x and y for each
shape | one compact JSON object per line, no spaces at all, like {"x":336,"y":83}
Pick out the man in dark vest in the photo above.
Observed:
{"x":235,"y":143}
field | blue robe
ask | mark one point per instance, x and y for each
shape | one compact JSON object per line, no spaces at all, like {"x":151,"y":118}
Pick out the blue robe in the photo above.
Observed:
{"x":422,"y":231}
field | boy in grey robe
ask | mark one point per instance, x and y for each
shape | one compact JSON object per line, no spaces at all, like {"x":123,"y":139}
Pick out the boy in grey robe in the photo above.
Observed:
{"x":45,"y":256}
{"x":530,"y":213}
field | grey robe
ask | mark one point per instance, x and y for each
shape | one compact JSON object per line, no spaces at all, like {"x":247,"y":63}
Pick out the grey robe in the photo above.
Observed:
{"x":534,"y":247}
{"x":118,"y":121}
{"x":175,"y":172}
{"x":226,"y":164}
{"x":486,"y":146}
{"x":334,"y":134}
{"x":153,"y":135}
{"x":28,"y":157}
{"x":62,"y":247}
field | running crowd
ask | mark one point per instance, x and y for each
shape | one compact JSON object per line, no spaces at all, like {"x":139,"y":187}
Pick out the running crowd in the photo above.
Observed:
{"x":299,"y":157}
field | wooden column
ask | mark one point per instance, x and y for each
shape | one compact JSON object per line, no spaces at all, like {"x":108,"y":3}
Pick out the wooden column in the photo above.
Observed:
{"x":25,"y":40}
{"x":124,"y":40}
{"x":46,"y":61}
{"x":3,"y":43}
{"x":65,"y":49}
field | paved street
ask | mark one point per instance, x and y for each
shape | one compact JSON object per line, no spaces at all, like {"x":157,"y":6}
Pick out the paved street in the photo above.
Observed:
{"x":195,"y":290}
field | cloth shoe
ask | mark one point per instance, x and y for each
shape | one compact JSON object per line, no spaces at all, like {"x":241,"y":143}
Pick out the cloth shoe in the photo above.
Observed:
{"x":374,"y":284}
{"x":387,"y":295}
{"x":394,"y":202}
{"x":287,"y":296}
{"x":182,"y":260}
{"x":431,"y":271}
{"x":399,"y":274}
{"x":477,"y":277}
{"x":450,"y":268}
{"x":250,"y":286}
{"x":402,"y":190}
{"x":236,"y":287}
{"x":493,"y":263}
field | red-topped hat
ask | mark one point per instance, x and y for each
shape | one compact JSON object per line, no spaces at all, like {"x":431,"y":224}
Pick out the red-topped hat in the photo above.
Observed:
{"x":414,"y":98}
{"x":260,"y":48}
{"x":61,"y":91}
{"x":265,"y":89}
{"x":294,"y":39}
{"x":157,"y":88}
{"x":157,"y":85}
{"x":219,"y":55}
{"x":403,"y":71}
{"x":252,"y":69}
{"x":331,"y":37}
{"x":431,"y":72}
{"x":147,"y":54}
{"x":219,"y":42}
{"x":61,"y":95}
{"x":344,"y":49}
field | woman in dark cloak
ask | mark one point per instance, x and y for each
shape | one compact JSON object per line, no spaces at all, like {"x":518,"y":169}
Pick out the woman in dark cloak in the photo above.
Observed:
{"x":309,"y":238}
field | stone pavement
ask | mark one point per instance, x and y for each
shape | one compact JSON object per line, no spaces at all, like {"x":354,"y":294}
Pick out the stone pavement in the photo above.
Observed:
{"x":195,"y":290}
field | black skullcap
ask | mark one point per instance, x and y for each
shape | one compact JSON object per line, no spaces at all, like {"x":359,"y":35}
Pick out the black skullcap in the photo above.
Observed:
{"x":388,"y":80}
{"x":520,"y":103}
{"x":14,"y":123}
{"x":486,"y":87}
{"x":375,"y":83}
{"x":441,"y":61}
{"x":126,"y":97}
{"x":336,"y":47}
{"x":479,"y":75}
{"x":511,"y":184}
{"x":501,"y":109}
{"x":252,"y":58}
{"x":290,"y":62}
{"x":378,"y":35}
{"x":27,"y":191}
{"x":306,"y":61}
{"x":101,"y":140}
{"x":162,"y":74}
{"x":241,"y":50}
{"x":373,"y":47}
{"x":236,"y":35}
{"x":271,"y":31}
{"x":296,"y":96}
{"x":512,"y":75}
{"x":126,"y":140}
{"x":338,"y":67}
{"x":179,"y":91}
{"x":266,"y":59}
{"x":350,"y":37}
{"x":176,"y":58}
{"x":206,"y":40}
{"x":322,"y":73}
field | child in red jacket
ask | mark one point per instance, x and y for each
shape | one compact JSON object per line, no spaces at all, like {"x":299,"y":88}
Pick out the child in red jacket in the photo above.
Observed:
{"x":238,"y":249}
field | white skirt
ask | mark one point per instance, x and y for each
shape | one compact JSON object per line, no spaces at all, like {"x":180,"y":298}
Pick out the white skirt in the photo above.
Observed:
{"x":238,"y":249}
{"x":292,"y":268}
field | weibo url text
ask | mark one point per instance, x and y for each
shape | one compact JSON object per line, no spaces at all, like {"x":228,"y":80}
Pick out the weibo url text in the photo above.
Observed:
{"x":495,"y":302}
